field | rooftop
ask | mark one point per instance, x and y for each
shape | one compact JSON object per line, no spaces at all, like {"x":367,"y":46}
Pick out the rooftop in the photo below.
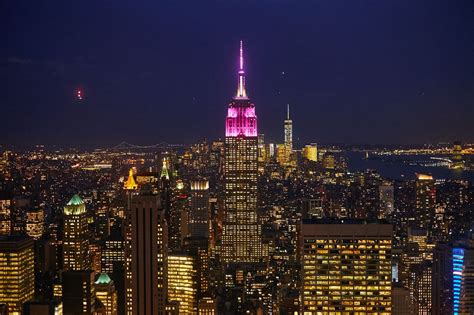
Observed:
{"x":75,"y":201}
{"x":103,"y":279}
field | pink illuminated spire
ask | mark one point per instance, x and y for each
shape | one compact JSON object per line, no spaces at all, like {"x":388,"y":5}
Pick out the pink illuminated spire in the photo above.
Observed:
{"x":241,"y":57}
{"x":241,"y":93}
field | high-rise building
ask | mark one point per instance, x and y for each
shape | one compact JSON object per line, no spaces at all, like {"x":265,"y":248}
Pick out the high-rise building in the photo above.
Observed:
{"x":78,"y":292}
{"x":329,"y":162}
{"x":182,"y":282}
{"x":453,"y":279}
{"x":5,"y":215}
{"x":95,"y":254}
{"x":112,"y":254}
{"x":145,"y":256}
{"x":288,"y":130}
{"x":282,"y":155}
{"x":241,"y":236}
{"x":421,"y":276}
{"x":386,"y":200}
{"x":17,"y":275}
{"x":425,"y":200}
{"x":76,"y":236}
{"x":310,"y":152}
{"x":35,"y":223}
{"x":199,"y":212}
{"x":107,"y":295}
{"x":346,"y":267}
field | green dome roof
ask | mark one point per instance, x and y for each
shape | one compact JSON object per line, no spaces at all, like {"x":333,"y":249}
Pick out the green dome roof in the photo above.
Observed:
{"x":75,"y":206}
{"x":75,"y":201}
{"x":103,"y":279}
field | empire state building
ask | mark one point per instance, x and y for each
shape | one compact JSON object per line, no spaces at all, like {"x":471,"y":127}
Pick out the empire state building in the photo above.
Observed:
{"x":241,"y":235}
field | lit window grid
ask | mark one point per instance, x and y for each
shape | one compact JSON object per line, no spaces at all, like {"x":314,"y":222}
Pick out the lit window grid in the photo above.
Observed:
{"x":182,"y":283}
{"x":335,"y":271}
{"x":241,"y":239}
{"x":16,"y":278}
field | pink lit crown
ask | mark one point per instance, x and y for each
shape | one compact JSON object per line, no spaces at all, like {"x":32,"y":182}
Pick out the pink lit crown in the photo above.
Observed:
{"x":241,"y":120}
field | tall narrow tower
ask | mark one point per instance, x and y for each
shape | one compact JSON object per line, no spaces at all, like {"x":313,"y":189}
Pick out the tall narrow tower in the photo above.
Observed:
{"x":76,"y":238}
{"x":288,"y":130}
{"x":241,"y":235}
{"x":145,"y":256}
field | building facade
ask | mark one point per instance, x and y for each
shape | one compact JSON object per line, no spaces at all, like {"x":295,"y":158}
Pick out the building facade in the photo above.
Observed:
{"x":182,"y":282}
{"x":453,"y":279}
{"x":199,"y":212}
{"x":145,"y":256}
{"x":346,"y":267}
{"x":107,"y":295}
{"x":17,"y":275}
{"x":78,"y":292}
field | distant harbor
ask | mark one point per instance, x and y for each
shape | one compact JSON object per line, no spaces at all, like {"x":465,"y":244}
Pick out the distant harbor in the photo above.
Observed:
{"x":405,"y":167}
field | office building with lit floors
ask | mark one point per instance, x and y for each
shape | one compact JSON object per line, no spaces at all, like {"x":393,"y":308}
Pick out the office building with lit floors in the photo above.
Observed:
{"x":76,"y":235}
{"x":453,"y":278}
{"x":145,"y":256}
{"x":346,"y":267}
{"x":199,"y":212}
{"x":106,"y":294}
{"x":241,"y":235}
{"x":183,"y":282}
{"x":425,"y":201}
{"x":17,"y":279}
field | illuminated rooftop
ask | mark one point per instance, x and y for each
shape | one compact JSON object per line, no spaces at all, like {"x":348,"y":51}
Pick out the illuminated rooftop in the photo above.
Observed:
{"x":103,"y":279}
{"x":130,"y":183}
{"x":75,"y":206}
{"x":75,"y":201}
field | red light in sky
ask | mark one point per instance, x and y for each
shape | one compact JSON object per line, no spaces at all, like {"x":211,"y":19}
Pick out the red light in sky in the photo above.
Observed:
{"x":79,"y":95}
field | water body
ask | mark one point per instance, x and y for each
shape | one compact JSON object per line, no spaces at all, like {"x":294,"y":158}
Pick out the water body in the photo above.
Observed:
{"x":398,"y":166}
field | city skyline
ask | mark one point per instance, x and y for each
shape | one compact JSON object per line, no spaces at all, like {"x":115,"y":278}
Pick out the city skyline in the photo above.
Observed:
{"x":343,"y":75}
{"x":151,"y":196}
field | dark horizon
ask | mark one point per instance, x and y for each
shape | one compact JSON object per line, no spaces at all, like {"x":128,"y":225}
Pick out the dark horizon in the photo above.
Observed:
{"x":371,"y":72}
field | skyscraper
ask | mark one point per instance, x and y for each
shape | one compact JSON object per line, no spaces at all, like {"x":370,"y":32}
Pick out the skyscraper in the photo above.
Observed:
{"x":35,"y":223}
{"x":346,"y":267}
{"x":145,"y":256}
{"x":107,"y":295}
{"x":420,"y":287}
{"x":78,"y":292}
{"x":310,"y":152}
{"x":453,"y":279}
{"x":288,"y":130}
{"x":241,"y":239}
{"x":182,"y":282}
{"x":199,"y":214}
{"x":17,"y":279}
{"x":5,"y":215}
{"x":425,"y":200}
{"x":386,"y":199}
{"x":76,"y":237}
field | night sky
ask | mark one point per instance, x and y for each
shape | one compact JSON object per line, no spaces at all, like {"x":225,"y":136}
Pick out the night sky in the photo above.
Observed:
{"x":353,"y":71}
